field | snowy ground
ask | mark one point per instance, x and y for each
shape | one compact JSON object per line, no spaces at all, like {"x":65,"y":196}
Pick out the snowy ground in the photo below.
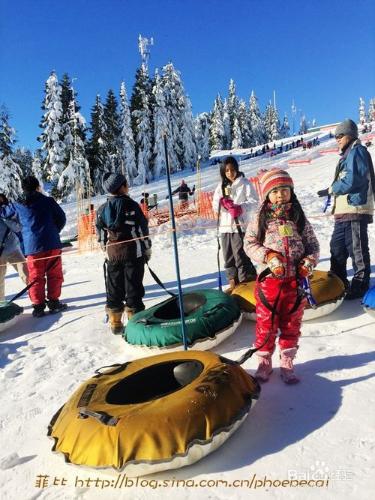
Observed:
{"x":320,"y":430}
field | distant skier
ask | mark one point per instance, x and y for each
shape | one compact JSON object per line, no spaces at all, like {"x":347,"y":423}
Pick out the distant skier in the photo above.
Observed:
{"x":283,"y":244}
{"x":353,"y":189}
{"x":42,"y":219}
{"x":234,"y":200}
{"x":184,"y":192}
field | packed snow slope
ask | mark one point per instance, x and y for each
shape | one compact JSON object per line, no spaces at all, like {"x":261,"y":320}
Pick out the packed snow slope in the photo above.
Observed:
{"x":319,"y":432}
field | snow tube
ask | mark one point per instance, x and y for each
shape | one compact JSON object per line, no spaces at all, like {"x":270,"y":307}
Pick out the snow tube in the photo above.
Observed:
{"x":327,"y":289}
{"x":153,"y":414}
{"x":368,"y":302}
{"x":210,"y":317}
{"x":9,"y":312}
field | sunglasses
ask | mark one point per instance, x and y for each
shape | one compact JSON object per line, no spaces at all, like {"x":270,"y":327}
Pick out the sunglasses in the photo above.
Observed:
{"x":339,"y":136}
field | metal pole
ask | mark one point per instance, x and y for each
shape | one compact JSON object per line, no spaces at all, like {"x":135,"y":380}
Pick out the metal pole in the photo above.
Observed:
{"x":180,"y":299}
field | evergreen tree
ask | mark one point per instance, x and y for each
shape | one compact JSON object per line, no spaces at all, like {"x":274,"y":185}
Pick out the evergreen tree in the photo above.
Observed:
{"x":160,"y":128}
{"x":271,"y":123}
{"x":126,"y":141}
{"x":36,"y":169}
{"x":303,"y":125}
{"x":96,"y":149}
{"x":371,"y":110}
{"x":75,"y":178}
{"x":227,"y":126}
{"x":285,"y":129}
{"x":51,"y":137}
{"x":141,"y":119}
{"x":237,"y":136}
{"x":112,"y":131}
{"x":217,"y":133}
{"x":362,"y":111}
{"x":24,"y":159}
{"x":188,"y":137}
{"x":10,"y":172}
{"x":256,"y":122}
{"x":244,"y":124}
{"x":232,"y":108}
{"x":202,"y":135}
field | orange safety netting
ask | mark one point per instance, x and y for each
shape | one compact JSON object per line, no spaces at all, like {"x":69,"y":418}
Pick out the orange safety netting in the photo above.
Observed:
{"x":86,"y":231}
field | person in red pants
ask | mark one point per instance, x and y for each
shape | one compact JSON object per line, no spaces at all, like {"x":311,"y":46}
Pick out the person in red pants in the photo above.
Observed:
{"x":282,"y":243}
{"x":41,"y":219}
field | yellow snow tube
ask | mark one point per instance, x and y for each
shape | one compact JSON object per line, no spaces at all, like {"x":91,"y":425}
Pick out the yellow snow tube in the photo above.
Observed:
{"x":327,"y":289}
{"x":155,"y":413}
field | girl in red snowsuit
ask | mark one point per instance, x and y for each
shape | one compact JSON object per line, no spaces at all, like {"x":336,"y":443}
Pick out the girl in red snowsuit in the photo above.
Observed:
{"x":282,"y":243}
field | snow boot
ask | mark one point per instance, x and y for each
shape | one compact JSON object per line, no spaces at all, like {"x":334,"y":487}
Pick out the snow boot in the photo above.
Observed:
{"x":38,"y":310}
{"x":265,"y":366}
{"x":56,"y":306}
{"x":286,"y":365}
{"x":232,"y":284}
{"x":130,"y":311}
{"x":115,"y":320}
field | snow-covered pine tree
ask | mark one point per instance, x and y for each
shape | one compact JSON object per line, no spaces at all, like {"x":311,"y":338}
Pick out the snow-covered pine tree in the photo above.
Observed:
{"x":51,"y":137}
{"x":112,"y":131}
{"x":303,"y":125}
{"x":227,"y":126}
{"x":202,"y":135}
{"x":24,"y":159}
{"x":371,"y":110}
{"x":217,"y":132}
{"x":271,"y":123}
{"x":160,"y":127}
{"x":362,"y":111}
{"x":237,"y":136}
{"x":10,"y":172}
{"x":285,"y":129}
{"x":141,"y":119}
{"x":175,"y":103}
{"x":256,"y":122}
{"x":75,"y":178}
{"x":188,"y":137}
{"x":232,"y":107}
{"x":36,"y":169}
{"x":244,"y":123}
{"x":126,"y":140}
{"x":96,"y":148}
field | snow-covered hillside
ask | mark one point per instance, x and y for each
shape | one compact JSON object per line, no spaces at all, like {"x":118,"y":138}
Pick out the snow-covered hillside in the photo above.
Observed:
{"x":321,"y":429}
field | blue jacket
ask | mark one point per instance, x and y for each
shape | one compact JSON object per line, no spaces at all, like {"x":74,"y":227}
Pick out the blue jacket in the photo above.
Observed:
{"x":41,"y":218}
{"x":352,"y":176}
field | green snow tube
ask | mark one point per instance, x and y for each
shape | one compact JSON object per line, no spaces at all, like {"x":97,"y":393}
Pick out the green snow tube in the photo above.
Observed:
{"x":9,"y":312}
{"x":210,"y":317}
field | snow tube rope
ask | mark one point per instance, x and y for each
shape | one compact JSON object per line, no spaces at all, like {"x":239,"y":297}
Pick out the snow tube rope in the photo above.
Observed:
{"x":155,"y":413}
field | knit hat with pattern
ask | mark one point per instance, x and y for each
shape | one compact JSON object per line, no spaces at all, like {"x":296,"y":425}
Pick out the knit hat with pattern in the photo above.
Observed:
{"x":272,"y":179}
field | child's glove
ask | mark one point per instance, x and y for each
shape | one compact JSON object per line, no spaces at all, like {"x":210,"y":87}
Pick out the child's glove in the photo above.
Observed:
{"x":323,"y":192}
{"x":275,"y":263}
{"x":235,"y":211}
{"x":305,"y":268}
{"x":147,"y":254}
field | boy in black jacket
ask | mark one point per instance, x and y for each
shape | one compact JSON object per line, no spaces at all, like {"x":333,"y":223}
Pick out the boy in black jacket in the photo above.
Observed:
{"x":123,"y":232}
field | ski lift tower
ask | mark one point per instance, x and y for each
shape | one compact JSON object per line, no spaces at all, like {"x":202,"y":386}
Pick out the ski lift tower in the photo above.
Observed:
{"x":143,"y":47}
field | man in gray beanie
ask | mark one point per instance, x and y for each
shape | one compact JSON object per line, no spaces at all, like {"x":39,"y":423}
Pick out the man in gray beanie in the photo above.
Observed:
{"x":123,"y":232}
{"x":353,"y":191}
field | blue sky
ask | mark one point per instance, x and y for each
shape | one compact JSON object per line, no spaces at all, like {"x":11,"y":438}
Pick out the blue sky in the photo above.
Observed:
{"x":321,"y":52}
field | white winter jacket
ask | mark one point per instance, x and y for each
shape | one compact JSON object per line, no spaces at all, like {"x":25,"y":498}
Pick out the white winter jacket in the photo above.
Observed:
{"x":242,"y":193}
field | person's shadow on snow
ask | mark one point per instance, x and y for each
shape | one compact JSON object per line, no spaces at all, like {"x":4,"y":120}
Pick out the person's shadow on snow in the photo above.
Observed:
{"x":283,"y":415}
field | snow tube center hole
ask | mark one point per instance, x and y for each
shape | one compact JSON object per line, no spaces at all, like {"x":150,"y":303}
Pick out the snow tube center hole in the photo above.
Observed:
{"x":154,"y":382}
{"x":171,"y":309}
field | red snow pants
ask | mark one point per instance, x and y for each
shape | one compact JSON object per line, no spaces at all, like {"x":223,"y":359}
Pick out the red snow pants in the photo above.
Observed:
{"x":288,"y":322}
{"x":42,"y":270}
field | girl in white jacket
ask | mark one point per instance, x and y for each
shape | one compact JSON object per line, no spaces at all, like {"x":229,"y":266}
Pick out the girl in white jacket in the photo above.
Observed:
{"x":234,"y":201}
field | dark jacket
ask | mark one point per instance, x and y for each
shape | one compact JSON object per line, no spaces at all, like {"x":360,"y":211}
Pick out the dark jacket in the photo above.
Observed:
{"x":183,"y":191}
{"x":120,"y":219}
{"x":41,"y":219}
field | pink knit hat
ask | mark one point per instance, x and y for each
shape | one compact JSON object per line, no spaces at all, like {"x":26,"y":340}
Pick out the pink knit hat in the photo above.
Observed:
{"x":271,"y":179}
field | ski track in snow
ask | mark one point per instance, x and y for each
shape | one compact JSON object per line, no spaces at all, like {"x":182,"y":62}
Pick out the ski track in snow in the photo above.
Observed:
{"x":324,"y":425}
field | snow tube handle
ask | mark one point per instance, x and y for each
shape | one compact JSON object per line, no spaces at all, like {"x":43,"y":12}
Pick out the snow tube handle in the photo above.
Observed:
{"x":101,"y":416}
{"x":119,"y":368}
